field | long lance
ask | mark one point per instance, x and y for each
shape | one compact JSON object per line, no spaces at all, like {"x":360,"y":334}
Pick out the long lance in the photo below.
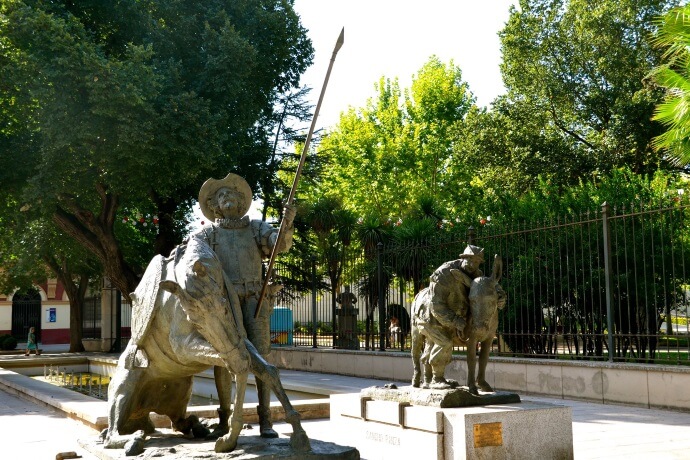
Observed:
{"x":291,"y":197}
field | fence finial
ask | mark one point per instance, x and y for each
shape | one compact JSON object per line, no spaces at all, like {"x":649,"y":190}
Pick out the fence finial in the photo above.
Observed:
{"x":471,"y":233}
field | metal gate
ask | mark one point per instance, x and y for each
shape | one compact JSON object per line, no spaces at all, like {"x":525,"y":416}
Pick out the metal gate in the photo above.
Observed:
{"x":91,"y":318}
{"x":26,"y":312}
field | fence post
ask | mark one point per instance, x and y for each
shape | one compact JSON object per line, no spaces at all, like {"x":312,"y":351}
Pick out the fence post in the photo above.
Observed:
{"x":605,"y":211}
{"x":382,"y":313}
{"x":313,"y":302}
{"x":117,"y":345}
{"x":471,"y":233}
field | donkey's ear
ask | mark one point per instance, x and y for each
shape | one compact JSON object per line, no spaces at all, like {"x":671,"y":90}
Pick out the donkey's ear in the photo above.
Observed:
{"x":498,"y":268}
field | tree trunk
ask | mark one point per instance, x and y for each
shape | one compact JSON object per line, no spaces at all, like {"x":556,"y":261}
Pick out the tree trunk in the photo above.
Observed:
{"x":96,"y":234}
{"x":166,"y":239}
{"x":76,"y":293}
{"x":76,"y":325}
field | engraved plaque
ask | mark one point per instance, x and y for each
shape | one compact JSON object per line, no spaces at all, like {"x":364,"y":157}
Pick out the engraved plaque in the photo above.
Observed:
{"x":488,"y":434}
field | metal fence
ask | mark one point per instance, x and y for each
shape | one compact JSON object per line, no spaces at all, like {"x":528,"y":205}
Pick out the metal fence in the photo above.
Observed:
{"x":91,"y":318}
{"x":120,"y":314}
{"x":608,"y":285}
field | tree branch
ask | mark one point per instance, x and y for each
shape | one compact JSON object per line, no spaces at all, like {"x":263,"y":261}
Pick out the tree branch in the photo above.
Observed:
{"x":569,"y":132}
{"x":74,"y":228}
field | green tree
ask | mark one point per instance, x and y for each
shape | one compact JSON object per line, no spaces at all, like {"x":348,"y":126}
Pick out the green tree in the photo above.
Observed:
{"x":503,"y":152}
{"x":292,"y":111}
{"x":33,"y":250}
{"x":332,"y":227}
{"x":556,"y":272}
{"x":116,"y":109}
{"x":580,"y":68}
{"x":387,"y":155}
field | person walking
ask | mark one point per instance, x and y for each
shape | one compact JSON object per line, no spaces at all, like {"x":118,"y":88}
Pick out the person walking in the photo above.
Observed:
{"x":31,"y":343}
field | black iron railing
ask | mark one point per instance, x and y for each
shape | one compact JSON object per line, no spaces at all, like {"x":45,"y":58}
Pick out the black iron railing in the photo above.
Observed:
{"x":613,"y":284}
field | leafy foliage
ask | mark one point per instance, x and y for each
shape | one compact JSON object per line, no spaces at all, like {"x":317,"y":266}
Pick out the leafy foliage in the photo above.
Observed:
{"x":127,"y":107}
{"x":384,"y":157}
{"x":581,"y":69}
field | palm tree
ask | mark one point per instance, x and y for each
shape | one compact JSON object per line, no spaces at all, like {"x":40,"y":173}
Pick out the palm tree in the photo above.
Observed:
{"x":372,"y":231}
{"x":674,"y":112}
{"x":333,"y":227}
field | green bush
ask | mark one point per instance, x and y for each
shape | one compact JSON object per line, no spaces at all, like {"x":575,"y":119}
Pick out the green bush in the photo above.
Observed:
{"x":680,"y":320}
{"x":7,"y":342}
{"x":302,"y":328}
{"x":324,"y":327}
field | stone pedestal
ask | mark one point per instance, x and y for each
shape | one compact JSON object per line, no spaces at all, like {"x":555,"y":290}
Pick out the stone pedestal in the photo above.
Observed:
{"x":347,"y":328}
{"x":389,"y":429}
{"x":169,"y":445}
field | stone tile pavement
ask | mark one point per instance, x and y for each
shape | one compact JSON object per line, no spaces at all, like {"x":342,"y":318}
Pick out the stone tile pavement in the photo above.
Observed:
{"x":599,"y":431}
{"x":36,"y":431}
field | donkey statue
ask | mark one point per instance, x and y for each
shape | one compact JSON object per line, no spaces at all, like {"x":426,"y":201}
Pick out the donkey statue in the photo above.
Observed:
{"x":185,"y":320}
{"x":432,"y":341}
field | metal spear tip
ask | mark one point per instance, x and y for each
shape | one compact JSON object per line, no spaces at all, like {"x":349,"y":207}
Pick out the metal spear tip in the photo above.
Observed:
{"x":340,"y":41}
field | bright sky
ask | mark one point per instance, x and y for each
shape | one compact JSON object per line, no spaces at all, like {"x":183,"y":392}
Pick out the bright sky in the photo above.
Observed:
{"x":395,"y":38}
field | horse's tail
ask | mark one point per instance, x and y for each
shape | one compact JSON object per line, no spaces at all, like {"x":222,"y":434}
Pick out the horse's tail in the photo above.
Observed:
{"x":416,"y":352}
{"x":418,"y":341}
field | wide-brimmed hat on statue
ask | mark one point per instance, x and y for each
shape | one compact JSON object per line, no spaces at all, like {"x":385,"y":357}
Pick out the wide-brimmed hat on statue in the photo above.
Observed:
{"x":231,"y":181}
{"x":473,"y":251}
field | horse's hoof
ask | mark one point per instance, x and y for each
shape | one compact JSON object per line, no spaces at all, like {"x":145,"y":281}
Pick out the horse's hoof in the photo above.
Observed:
{"x":225,"y":444}
{"x":134,"y":447}
{"x":115,"y":442}
{"x":200,"y":431}
{"x":440,"y":386}
{"x":485,"y":387}
{"x":416,"y":379}
{"x":299,"y":441}
{"x":268,"y":433}
{"x":217,"y":433}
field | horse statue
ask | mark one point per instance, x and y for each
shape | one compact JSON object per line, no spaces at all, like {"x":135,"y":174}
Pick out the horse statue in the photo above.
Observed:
{"x":186,"y":319}
{"x":432,"y":341}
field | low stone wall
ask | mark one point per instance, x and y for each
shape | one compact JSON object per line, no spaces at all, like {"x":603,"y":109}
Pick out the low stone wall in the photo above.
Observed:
{"x":643,"y":385}
{"x":94,"y":412}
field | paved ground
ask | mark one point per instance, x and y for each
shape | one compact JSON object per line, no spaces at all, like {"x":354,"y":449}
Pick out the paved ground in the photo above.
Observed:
{"x":599,"y":431}
{"x":35,"y":431}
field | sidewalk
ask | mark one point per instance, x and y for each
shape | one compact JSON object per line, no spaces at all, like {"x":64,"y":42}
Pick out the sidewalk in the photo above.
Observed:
{"x":36,"y":431}
{"x":599,"y":431}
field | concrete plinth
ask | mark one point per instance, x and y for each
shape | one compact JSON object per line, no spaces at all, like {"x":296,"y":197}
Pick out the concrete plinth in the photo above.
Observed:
{"x":387,"y":429}
{"x":456,"y":397}
{"x":168,"y":445}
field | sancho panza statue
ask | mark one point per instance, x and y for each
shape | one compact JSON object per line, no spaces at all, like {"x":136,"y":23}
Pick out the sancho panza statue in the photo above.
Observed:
{"x":241,"y":243}
{"x":460,"y":306}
